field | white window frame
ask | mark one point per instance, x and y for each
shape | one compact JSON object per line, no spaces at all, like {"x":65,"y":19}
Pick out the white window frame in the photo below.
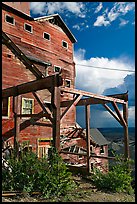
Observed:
{"x":30,"y":99}
{"x":58,"y":67}
{"x":66,"y":81}
{"x":10,"y":17}
{"x":63,"y":41}
{"x":47,"y":34}
{"x":30,"y":26}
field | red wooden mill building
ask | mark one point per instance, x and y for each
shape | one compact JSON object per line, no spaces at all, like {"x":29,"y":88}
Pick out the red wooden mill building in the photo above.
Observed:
{"x":39,"y":98}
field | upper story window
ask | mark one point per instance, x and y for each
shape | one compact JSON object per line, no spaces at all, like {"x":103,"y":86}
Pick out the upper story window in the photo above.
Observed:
{"x":64,"y":44}
{"x":28,"y":27}
{"x":67,"y":83}
{"x":5,"y":107}
{"x":46,"y":36}
{"x":57,"y":69}
{"x":9,"y":19}
{"x":102,"y":149}
{"x":27,"y":106}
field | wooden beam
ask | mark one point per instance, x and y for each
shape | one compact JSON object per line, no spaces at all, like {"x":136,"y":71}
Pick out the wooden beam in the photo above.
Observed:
{"x":72,"y":104}
{"x":48,"y":112}
{"x":34,"y":115}
{"x":112,"y":113}
{"x":21,"y":56}
{"x":35,"y":85}
{"x":16,"y":110}
{"x":123,"y":96}
{"x":91,"y":95}
{"x":55,"y":102}
{"x":119,"y":114}
{"x":87,"y":113}
{"x":126,"y":138}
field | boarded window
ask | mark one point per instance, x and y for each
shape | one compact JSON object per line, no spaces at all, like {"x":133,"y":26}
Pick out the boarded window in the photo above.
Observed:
{"x":46,"y":36}
{"x":64,"y":44}
{"x":5,"y":106}
{"x":10,"y":19}
{"x":27,"y":106}
{"x":28,"y":27}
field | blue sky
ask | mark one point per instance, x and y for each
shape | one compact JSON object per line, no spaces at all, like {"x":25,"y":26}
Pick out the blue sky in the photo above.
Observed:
{"x":105,"y":33}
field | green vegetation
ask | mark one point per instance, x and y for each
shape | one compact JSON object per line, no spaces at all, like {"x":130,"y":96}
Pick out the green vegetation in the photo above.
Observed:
{"x":49,"y":176}
{"x":118,"y":179}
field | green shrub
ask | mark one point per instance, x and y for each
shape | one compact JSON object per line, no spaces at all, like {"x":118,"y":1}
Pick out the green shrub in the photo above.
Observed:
{"x":118,"y":178}
{"x":50,"y":177}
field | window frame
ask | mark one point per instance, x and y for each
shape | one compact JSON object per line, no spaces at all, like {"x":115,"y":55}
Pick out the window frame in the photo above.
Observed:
{"x":30,"y":99}
{"x":102,"y":151}
{"x":10,"y":17}
{"x":8,"y":110}
{"x":66,"y":47}
{"x":43,"y":146}
{"x":30,"y":26}
{"x":66,"y":82}
{"x":55,"y":66}
{"x":47,"y":34}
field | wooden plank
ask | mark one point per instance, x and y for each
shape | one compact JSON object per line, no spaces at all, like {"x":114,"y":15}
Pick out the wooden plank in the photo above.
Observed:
{"x":22,"y":57}
{"x":48,"y":112}
{"x":71,"y":105}
{"x":91,"y":95}
{"x":35,"y":85}
{"x":16,"y":110}
{"x":55,"y":102}
{"x":35,"y":115}
{"x":112,"y":113}
{"x":123,"y":96}
{"x":126,"y":137}
{"x":87,"y":114}
{"x":119,"y":114}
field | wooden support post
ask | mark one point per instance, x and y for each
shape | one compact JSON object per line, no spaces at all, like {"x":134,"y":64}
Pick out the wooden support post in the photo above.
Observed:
{"x":55,"y":102}
{"x":16,"y":110}
{"x":126,"y":138}
{"x":87,"y":113}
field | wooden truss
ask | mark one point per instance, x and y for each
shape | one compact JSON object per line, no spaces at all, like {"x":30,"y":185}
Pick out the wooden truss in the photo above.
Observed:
{"x":53,"y":83}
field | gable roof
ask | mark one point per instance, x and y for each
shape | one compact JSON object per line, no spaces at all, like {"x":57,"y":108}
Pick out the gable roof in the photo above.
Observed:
{"x":61,"y":23}
{"x":97,"y":137}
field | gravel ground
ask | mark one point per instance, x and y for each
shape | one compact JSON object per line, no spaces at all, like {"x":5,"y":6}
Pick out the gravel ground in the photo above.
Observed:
{"x":85,"y":192}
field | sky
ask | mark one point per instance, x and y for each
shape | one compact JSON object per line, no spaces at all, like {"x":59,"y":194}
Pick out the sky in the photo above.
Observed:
{"x":105,"y":33}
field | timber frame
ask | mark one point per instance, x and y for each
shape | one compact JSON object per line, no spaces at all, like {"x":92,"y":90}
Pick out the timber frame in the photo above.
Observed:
{"x":54,"y":84}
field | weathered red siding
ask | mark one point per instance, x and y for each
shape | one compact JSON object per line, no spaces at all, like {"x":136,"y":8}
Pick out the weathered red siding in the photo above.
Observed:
{"x":14,"y":72}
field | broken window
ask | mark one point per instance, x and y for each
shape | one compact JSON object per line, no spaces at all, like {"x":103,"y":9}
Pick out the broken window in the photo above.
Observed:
{"x":5,"y":106}
{"x":102,"y":149}
{"x":64,"y":44}
{"x":67,"y":83}
{"x":57,"y":69}
{"x":46,"y":36}
{"x":10,"y":19}
{"x":27,"y":106}
{"x":28,"y":27}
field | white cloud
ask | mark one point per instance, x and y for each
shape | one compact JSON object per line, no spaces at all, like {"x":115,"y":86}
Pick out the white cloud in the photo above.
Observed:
{"x":123,"y":22}
{"x":131,"y":116}
{"x":99,"y":7}
{"x":55,"y":7}
{"x":98,"y":80}
{"x":119,"y":9}
{"x":101,"y":21}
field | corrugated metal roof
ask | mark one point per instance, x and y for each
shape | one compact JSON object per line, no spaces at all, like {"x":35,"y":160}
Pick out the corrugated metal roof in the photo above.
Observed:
{"x":97,"y":137}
